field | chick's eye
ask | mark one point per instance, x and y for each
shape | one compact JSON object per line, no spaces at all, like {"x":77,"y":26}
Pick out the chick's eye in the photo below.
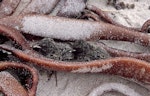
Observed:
{"x":1,"y":0}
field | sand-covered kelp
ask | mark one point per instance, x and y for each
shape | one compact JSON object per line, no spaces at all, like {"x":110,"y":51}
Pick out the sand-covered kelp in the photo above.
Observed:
{"x":65,"y":44}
